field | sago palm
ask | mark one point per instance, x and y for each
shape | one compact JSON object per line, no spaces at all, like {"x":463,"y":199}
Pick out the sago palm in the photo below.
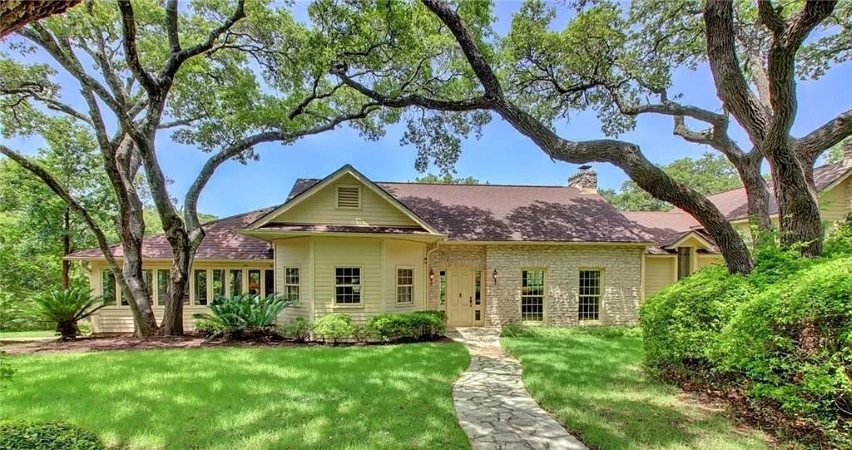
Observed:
{"x":65,"y":308}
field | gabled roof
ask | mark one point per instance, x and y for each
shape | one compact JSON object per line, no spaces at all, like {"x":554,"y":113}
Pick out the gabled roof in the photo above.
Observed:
{"x":509,"y":212}
{"x":293,"y":200}
{"x":221,"y":241}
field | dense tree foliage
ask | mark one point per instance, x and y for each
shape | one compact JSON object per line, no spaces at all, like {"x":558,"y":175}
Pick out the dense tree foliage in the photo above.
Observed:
{"x":446,"y":178}
{"x":710,"y":174}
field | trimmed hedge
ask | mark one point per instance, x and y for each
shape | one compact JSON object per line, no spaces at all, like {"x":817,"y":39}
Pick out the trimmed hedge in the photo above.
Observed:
{"x":23,"y":435}
{"x":414,"y":327}
{"x":334,"y":328}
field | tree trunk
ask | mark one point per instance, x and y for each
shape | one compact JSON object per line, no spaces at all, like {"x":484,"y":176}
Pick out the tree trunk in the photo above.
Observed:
{"x":798,"y":208}
{"x":757,"y":193}
{"x":66,"y":249}
{"x":172,"y":324}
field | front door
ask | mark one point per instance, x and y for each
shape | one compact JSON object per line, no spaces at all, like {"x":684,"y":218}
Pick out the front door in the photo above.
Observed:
{"x":460,"y":297}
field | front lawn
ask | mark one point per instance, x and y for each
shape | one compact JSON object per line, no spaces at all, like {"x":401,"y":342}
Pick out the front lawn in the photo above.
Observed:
{"x":383,"y":397}
{"x":11,"y":335}
{"x":592,"y":380}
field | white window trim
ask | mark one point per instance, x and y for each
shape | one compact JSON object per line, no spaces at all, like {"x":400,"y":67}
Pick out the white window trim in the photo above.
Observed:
{"x":396,"y":283}
{"x":360,"y":303}
{"x":337,"y":196}
{"x":600,"y":296}
{"x":286,"y":284}
{"x":543,"y":294}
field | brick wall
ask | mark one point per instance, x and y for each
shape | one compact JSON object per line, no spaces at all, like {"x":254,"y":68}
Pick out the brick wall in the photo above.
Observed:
{"x":452,"y":256}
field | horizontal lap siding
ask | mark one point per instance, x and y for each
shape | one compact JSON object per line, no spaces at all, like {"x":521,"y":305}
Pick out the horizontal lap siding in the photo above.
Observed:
{"x":321,"y":208}
{"x":119,"y":319}
{"x":834,"y":204}
{"x":659,"y":273}
{"x":709,"y":260}
{"x":404,"y":254}
{"x":365,"y":253}
{"x":294,"y":253}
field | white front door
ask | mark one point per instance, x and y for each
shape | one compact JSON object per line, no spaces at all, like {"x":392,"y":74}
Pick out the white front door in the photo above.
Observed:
{"x":460,"y":297}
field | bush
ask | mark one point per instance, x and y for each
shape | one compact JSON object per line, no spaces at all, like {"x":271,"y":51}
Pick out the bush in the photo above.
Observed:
{"x":20,"y":435}
{"x":839,"y":240}
{"x":299,"y":329}
{"x":793,"y":343}
{"x":65,"y":308}
{"x":242,"y":316}
{"x":414,"y":327}
{"x":681,"y":323}
{"x":334,"y":327}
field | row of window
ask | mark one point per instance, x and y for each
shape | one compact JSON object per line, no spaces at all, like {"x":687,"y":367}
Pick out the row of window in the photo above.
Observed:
{"x":532,"y":295}
{"x":205,"y":282}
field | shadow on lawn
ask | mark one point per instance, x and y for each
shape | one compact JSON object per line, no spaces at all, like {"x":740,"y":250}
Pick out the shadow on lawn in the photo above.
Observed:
{"x":596,"y":387}
{"x":380,"y":397}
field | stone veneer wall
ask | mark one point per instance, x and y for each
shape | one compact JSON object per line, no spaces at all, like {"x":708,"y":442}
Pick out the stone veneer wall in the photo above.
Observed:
{"x":621,"y":271}
{"x":452,"y":256}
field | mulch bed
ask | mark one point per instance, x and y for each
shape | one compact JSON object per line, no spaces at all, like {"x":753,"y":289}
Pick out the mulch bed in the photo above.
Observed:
{"x":128,"y":342}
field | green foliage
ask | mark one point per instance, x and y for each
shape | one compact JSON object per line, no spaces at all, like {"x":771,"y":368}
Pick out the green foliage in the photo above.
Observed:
{"x":446,"y":178}
{"x":710,"y":174}
{"x":334,"y":328}
{"x":65,"y":308}
{"x":607,"y":332}
{"x":299,"y":329}
{"x":30,"y":435}
{"x":839,"y":239}
{"x":413,"y":327}
{"x":681,"y":322}
{"x":242,"y":316}
{"x":6,"y":369}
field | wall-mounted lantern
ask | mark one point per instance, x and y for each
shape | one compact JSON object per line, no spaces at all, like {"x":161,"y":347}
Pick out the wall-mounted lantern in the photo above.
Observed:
{"x":431,"y":276}
{"x":494,"y":276}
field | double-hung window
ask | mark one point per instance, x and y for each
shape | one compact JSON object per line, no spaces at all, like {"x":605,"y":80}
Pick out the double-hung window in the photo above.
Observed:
{"x":532,"y":295}
{"x":404,"y":285}
{"x":291,"y":283}
{"x":347,"y":285}
{"x":590,"y":295}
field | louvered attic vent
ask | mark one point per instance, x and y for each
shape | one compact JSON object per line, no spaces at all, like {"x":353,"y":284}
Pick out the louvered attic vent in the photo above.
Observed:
{"x":348,"y":197}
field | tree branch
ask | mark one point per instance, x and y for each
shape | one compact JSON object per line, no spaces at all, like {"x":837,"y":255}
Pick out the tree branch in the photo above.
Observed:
{"x":172,"y":25}
{"x":128,"y":25}
{"x":809,"y":147}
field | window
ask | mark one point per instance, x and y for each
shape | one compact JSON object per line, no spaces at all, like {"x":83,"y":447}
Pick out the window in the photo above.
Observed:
{"x":108,"y":287}
{"x":404,"y":285}
{"x":590,"y":295}
{"x":236,"y":283}
{"x":201,"y":287}
{"x":477,"y":291}
{"x":218,"y":283}
{"x":348,"y":197}
{"x":347,"y":285}
{"x":268,"y":283}
{"x":684,"y":262}
{"x":532,"y":295}
{"x":442,"y":287}
{"x":254,"y":282}
{"x":291,"y":283}
{"x":162,"y":285}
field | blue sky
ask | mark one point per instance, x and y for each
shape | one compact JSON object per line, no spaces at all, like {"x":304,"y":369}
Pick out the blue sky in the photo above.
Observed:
{"x":502,"y":156}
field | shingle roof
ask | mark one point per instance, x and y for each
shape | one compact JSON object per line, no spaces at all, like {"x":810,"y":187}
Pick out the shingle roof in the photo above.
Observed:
{"x":489,"y":212}
{"x":220,"y":242}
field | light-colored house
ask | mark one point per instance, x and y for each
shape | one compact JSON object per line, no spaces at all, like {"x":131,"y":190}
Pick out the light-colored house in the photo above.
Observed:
{"x":486,"y":254}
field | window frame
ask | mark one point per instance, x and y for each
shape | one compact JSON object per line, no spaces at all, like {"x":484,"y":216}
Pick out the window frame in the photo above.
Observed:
{"x":599,"y":296}
{"x":114,"y":299}
{"x":528,"y":297}
{"x":684,"y":258}
{"x":195,"y":295}
{"x":297,"y":285}
{"x":337,"y":196}
{"x":410,"y":286}
{"x":360,"y":303}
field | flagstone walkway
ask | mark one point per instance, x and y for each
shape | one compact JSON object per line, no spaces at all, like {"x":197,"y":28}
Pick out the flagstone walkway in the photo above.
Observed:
{"x":494,"y":408}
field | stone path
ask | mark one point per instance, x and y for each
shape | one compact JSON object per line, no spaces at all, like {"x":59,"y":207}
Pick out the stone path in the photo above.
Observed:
{"x":494,"y":408}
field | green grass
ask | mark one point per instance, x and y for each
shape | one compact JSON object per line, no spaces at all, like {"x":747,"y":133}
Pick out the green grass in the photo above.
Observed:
{"x":593,"y":382}
{"x":384,"y":397}
{"x":26,"y":334}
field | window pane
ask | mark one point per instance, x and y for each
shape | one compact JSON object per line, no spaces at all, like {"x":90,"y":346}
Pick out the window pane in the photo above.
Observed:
{"x":477,"y":292}
{"x":108,"y":287}
{"x":404,"y":285}
{"x":218,"y":283}
{"x":201,"y":287}
{"x":532,"y":295}
{"x":236,"y":283}
{"x":162,"y":285}
{"x":347,"y":285}
{"x":268,"y":282}
{"x":291,"y":283}
{"x":254,"y":282}
{"x":442,"y":286}
{"x":589,"y":295}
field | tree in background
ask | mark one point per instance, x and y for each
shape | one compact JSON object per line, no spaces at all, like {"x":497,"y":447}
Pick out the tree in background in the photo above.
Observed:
{"x":446,"y":178}
{"x":710,"y":174}
{"x":835,"y":154}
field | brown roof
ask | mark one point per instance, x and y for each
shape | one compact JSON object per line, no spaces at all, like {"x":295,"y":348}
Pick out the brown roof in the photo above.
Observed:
{"x":489,"y":212}
{"x":343,"y":228}
{"x":734,"y":204}
{"x":222,"y":241}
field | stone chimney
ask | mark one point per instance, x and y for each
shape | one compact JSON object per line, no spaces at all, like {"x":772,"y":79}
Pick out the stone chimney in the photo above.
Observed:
{"x":585,"y":180}
{"x":847,"y":153}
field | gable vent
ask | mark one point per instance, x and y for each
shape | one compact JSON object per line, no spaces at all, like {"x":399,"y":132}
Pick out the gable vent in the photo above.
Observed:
{"x":348,"y":197}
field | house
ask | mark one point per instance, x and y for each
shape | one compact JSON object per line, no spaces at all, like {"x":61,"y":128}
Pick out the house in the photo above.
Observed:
{"x":488,"y":255}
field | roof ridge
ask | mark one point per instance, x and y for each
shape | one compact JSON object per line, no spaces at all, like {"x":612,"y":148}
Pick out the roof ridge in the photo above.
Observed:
{"x":454,"y":184}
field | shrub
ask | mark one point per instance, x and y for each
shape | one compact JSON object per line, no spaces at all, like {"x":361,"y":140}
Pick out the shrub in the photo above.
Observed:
{"x":417,"y":326}
{"x":839,"y":240}
{"x":242,"y":316}
{"x":680,"y":324}
{"x":65,"y":308}
{"x":299,"y":329}
{"x":793,"y":343}
{"x":20,"y":435}
{"x":334,"y":327}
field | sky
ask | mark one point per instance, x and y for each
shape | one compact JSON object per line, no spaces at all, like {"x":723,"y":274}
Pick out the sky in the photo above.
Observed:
{"x":501,"y":156}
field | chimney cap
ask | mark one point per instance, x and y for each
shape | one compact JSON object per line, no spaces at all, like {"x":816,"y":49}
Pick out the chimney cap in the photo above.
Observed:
{"x":585,"y":167}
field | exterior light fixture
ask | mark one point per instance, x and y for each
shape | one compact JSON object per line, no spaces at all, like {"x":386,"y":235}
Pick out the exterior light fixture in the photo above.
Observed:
{"x":431,"y":276}
{"x":494,"y":276}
